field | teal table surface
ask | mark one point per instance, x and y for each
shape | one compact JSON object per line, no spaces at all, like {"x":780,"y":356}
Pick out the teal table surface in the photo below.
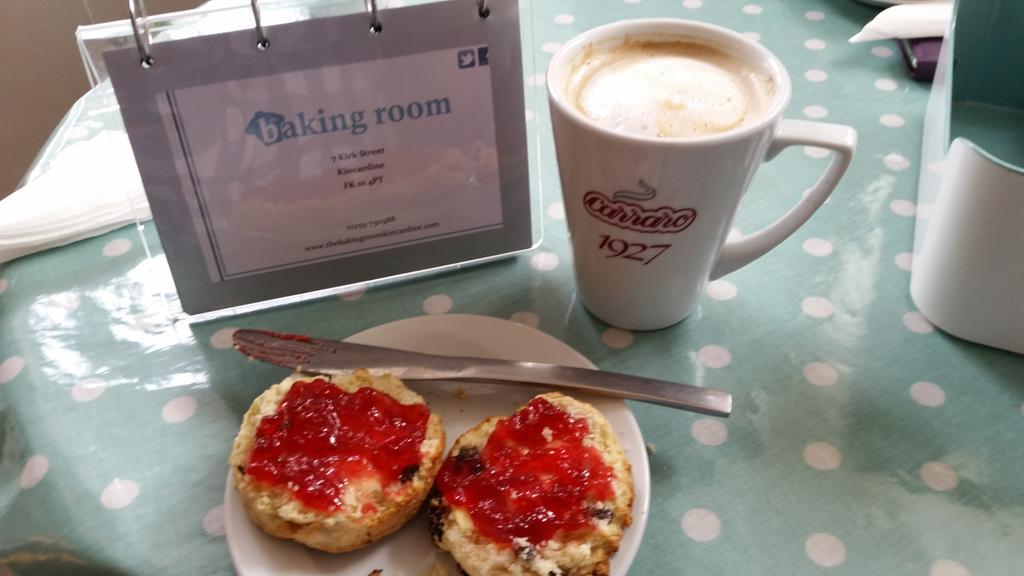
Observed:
{"x":863,"y":442}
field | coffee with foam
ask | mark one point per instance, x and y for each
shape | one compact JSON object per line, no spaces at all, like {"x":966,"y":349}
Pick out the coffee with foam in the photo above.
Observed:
{"x":668,"y":89}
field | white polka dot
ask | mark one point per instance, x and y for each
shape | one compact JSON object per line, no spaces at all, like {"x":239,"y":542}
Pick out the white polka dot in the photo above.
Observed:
{"x":816,"y":152}
{"x":902,"y":207}
{"x":34,"y":471}
{"x":734,"y":234}
{"x":881,"y":51}
{"x":927,"y":394}
{"x":146,"y":322}
{"x":817,"y":247}
{"x":222,"y":339}
{"x":353,"y":293}
{"x":896,"y":162}
{"x":551,"y":47}
{"x":88,"y":390}
{"x":632,"y":1}
{"x":825,"y":549}
{"x":916,"y":322}
{"x":213,"y":521}
{"x":817,"y":307}
{"x":178,"y":409}
{"x":536,"y":80}
{"x":3,"y":285}
{"x":544,"y":261}
{"x":948,"y":568}
{"x":692,"y":4}
{"x":939,"y":476}
{"x":616,"y":338}
{"x":886,"y":84}
{"x":119,"y":493}
{"x":905,"y":260}
{"x":564,"y":19}
{"x":557,"y":211}
{"x":815,"y":44}
{"x":117,"y":247}
{"x":892,"y":120}
{"x":709,"y":431}
{"x":701,"y":524}
{"x":10,"y":368}
{"x":530,"y":115}
{"x":752,"y":9}
{"x":714,"y":356}
{"x":820,"y":374}
{"x":815,"y":111}
{"x":753,"y":36}
{"x":526,"y":318}
{"x":814,"y":15}
{"x":822,"y":456}
{"x":67,"y":300}
{"x":721,"y":290}
{"x":438,"y":304}
{"x":816,"y":75}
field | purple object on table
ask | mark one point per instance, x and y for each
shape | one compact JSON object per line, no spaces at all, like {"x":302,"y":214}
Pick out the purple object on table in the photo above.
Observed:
{"x":921,"y":56}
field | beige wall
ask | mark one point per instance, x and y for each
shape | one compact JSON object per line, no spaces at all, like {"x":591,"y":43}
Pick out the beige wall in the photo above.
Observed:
{"x":42,"y":71}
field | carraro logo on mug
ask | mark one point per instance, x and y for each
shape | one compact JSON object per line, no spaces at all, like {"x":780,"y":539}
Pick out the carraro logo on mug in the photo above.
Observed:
{"x":619,"y":211}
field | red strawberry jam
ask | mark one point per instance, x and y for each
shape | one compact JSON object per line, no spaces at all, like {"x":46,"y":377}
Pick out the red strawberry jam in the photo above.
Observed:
{"x":534,"y":478}
{"x":322,"y":437}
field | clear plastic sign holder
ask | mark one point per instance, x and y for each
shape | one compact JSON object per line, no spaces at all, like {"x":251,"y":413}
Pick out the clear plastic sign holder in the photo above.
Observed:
{"x":236,"y":280}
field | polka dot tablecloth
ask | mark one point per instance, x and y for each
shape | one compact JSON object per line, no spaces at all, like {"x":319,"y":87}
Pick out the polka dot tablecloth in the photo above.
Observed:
{"x":864,"y":441}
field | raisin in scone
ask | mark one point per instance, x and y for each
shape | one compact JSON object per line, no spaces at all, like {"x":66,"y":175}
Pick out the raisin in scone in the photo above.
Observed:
{"x":546,"y":491}
{"x":336,"y":462}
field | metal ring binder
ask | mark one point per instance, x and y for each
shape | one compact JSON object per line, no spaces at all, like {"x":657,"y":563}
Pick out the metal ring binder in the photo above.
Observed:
{"x":375,"y":25}
{"x":141,"y":40}
{"x":141,"y":31}
{"x":261,"y":38}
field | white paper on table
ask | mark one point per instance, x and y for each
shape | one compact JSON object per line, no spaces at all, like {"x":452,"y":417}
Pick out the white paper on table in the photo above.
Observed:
{"x":917,"y":20}
{"x":92,"y":187}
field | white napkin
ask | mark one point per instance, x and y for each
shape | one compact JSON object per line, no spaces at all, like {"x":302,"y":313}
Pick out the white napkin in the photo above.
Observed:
{"x":917,"y":20}
{"x":91,"y":187}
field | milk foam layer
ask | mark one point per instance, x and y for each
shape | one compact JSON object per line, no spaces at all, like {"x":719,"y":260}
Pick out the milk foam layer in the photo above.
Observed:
{"x":668,"y":89}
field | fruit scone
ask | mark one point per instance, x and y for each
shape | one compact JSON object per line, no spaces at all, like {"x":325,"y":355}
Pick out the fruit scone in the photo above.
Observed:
{"x":336,"y":462}
{"x":546,"y":491}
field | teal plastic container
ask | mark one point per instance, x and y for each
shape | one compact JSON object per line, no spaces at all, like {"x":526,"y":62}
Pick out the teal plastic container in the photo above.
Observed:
{"x":987,"y":88}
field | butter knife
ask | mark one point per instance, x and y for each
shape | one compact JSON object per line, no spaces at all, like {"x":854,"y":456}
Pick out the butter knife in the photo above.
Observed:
{"x":323,"y":356}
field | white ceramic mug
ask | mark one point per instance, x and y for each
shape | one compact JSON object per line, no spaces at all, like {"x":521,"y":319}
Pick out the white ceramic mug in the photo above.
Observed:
{"x":648,"y":217}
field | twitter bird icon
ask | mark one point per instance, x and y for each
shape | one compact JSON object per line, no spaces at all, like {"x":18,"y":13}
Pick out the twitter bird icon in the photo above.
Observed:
{"x":467,"y":58}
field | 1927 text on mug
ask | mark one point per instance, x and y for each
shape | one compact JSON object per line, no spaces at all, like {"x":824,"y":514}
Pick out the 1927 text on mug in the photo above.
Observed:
{"x":619,"y":212}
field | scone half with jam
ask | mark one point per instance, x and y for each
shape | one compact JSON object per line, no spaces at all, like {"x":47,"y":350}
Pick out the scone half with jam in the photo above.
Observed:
{"x":336,"y":462}
{"x":546,"y":491}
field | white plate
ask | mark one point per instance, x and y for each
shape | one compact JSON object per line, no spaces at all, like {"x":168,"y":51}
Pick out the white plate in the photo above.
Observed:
{"x":410,"y":552}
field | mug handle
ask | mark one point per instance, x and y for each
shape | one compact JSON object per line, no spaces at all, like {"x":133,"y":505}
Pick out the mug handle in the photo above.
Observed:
{"x":840,"y":139}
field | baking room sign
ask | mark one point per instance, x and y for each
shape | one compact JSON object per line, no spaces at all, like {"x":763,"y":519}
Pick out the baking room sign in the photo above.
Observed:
{"x":336,"y":155}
